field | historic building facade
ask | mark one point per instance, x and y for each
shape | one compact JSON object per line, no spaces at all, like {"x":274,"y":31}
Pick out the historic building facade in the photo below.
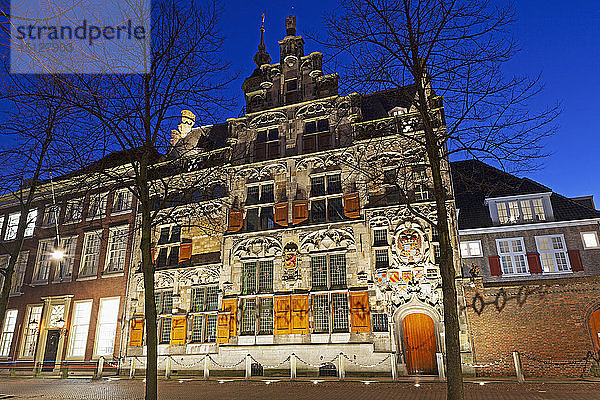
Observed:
{"x":534,"y":261}
{"x":68,"y":290}
{"x":299,"y":241}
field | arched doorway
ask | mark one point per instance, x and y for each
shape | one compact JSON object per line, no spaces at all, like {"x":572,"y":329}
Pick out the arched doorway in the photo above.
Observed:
{"x":419,"y":344}
{"x":595,"y":327}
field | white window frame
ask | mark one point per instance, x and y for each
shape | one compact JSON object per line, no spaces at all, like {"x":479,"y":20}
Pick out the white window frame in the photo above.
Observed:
{"x":513,"y":256}
{"x":552,"y":253}
{"x":128,"y":195}
{"x":97,"y":198}
{"x":585,"y":245}
{"x":541,"y":212}
{"x":31,"y":334}
{"x":8,"y":332}
{"x":467,"y":252}
{"x":73,"y":204}
{"x":122,"y":231}
{"x":92,"y":255}
{"x":19,"y":272}
{"x":31,"y":219}
{"x":44,"y":255}
{"x":111,"y":327}
{"x":51,"y":214}
{"x":79,"y":328}
{"x":12,"y":225}
{"x":68,"y":261}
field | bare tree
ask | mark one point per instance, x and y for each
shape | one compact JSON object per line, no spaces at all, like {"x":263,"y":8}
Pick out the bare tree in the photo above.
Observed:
{"x":424,"y":51}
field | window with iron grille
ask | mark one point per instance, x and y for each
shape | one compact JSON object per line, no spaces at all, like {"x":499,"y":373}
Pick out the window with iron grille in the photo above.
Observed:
{"x":163,"y":302}
{"x":437,"y":254}
{"x":339,"y":302}
{"x":337,"y":264}
{"x":319,"y":272}
{"x":421,"y":192}
{"x":328,"y":271}
{"x":380,"y":322}
{"x":211,"y":328}
{"x":265,"y":319}
{"x":205,"y":298}
{"x":248,"y":316}
{"x":265,"y":276}
{"x":249,"y":278}
{"x":331,"y":207}
{"x":334,"y":184}
{"x":197,"y":328}
{"x":165,"y":331}
{"x":317,"y":186}
{"x":168,"y":246}
{"x":435,"y":234}
{"x":380,"y":237}
{"x":321,"y":313}
{"x":382,"y":259}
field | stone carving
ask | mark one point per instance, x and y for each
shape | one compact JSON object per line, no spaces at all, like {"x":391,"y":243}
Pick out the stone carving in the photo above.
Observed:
{"x":410,"y":244}
{"x":199,"y":275}
{"x":257,"y":246}
{"x":163,"y":279}
{"x":267,"y":171}
{"x":393,"y":216}
{"x":290,"y":263}
{"x":326,"y":160}
{"x":428,"y":293}
{"x":269,"y":118}
{"x":327,"y":239}
{"x":314,"y":109}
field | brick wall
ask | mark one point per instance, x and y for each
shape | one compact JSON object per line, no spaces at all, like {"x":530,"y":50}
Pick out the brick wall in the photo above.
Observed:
{"x":543,"y":320}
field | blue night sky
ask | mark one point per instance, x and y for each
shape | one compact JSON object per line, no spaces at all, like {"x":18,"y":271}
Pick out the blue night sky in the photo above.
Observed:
{"x":558,"y":40}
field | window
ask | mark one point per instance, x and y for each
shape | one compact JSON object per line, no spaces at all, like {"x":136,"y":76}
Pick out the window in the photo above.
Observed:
{"x":164,"y":302}
{"x":328,"y":205}
{"x":512,"y":256}
{"x":79,"y":328}
{"x":292,"y":85}
{"x":390,"y":176}
{"x":437,"y":253}
{"x":167,"y":246}
{"x":165,"y":330}
{"x":73,"y":210}
{"x":122,"y":200}
{"x":380,"y":237}
{"x":339,"y":302}
{"x":204,"y":326}
{"x":19,"y":273}
{"x":248,"y":316}
{"x":31,"y":329}
{"x":514,"y":211}
{"x":321,"y":313}
{"x":262,"y":269}
{"x":205,"y":298}
{"x":265,"y":317}
{"x":65,"y":265}
{"x":328,"y":271}
{"x":590,"y":240}
{"x":51,"y":214}
{"x":8,"y":331}
{"x":31,"y":218}
{"x":13,"y":224}
{"x":91,"y":253}
{"x":320,"y":125}
{"x":420,"y":184}
{"x":382,"y":258}
{"x":260,"y":217}
{"x":107,"y":326}
{"x":197,"y":328}
{"x":44,"y":260}
{"x":267,"y":144}
{"x":317,"y":136}
{"x":211,"y":328}
{"x":553,"y":253}
{"x":380,"y":322}
{"x":471,"y":249}
{"x":97,"y":206}
{"x":117,"y":247}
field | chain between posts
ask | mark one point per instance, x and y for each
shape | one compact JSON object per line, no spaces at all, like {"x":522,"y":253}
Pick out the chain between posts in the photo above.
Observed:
{"x":226,"y":366}
{"x":317,"y":365}
{"x":367,"y":365}
{"x":271,"y":366}
{"x":488,"y":364}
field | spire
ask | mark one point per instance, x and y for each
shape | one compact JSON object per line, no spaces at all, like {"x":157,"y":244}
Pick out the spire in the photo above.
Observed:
{"x":262,"y":57}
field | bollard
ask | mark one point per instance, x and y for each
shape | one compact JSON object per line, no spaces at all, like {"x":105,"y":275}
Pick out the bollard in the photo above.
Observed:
{"x":440,"y":365}
{"x":248,"y":367}
{"x":206,"y":367}
{"x":38,"y":369}
{"x":168,"y":368}
{"x":293,"y":366}
{"x":100,"y":368}
{"x":132,"y":369}
{"x":518,"y":370}
{"x":341,"y":372}
{"x":393,"y":362}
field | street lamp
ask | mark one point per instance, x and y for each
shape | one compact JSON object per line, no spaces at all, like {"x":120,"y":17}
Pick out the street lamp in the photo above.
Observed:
{"x":60,"y":324}
{"x":58,"y":254}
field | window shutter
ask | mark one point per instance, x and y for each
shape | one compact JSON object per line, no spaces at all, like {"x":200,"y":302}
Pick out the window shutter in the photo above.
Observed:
{"x":495,"y":269}
{"x":351,"y":205}
{"x":324,"y":141}
{"x":282,"y":315}
{"x":230,"y":305}
{"x":223,"y":328}
{"x":359,"y":309}
{"x":185,"y":252}
{"x":178,"y":325}
{"x":308,"y":143}
{"x":260,"y":151}
{"x":236,"y":220}
{"x":575,"y":259}
{"x":300,"y":211}
{"x":136,"y":333}
{"x":300,"y":314}
{"x":281,"y":214}
{"x":535,"y":266}
{"x":152,"y":253}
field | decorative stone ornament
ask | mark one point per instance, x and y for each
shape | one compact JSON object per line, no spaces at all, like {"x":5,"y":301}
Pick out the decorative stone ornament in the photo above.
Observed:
{"x":256,"y":247}
{"x":290,"y":263}
{"x":327,"y":239}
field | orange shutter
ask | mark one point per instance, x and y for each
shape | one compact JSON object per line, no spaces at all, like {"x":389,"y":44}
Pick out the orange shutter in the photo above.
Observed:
{"x":300,"y":314}
{"x":282,"y":315}
{"x":230,"y":305}
{"x":178,"y":325}
{"x":152,"y":253}
{"x":351,"y":205}
{"x":136,"y":333}
{"x":185,"y":252}
{"x":223,"y":328}
{"x":300,"y":211}
{"x":236,"y":220}
{"x":359,"y":309}
{"x":281,"y":214}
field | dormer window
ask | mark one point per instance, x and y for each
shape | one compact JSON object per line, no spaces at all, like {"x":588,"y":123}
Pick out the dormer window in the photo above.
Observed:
{"x":397,"y":111}
{"x":519,"y":210}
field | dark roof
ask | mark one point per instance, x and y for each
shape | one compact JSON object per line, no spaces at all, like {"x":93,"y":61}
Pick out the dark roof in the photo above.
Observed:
{"x":474,"y":181}
{"x":214,"y":138}
{"x":378,"y":104}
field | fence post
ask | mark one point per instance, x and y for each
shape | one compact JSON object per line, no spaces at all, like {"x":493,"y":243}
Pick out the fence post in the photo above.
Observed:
{"x":37,"y":369}
{"x":293,"y":366}
{"x":168,"y":368}
{"x":393,"y":362}
{"x":248,"y":367}
{"x":341,"y":372}
{"x":206,"y":367}
{"x":440,"y":365}
{"x":100,"y":368}
{"x":132,"y":369}
{"x":518,"y":370}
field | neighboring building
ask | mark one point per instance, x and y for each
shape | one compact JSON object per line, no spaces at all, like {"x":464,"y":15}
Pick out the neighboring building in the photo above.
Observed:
{"x":293,"y":246}
{"x":68,"y":310}
{"x":538,"y":255}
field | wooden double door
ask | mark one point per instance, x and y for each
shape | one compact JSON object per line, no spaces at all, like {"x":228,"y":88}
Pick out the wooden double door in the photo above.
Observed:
{"x":420,"y":345}
{"x":595,"y":328}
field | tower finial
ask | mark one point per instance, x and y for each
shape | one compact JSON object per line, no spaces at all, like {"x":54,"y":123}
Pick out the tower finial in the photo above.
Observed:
{"x":262,"y":57}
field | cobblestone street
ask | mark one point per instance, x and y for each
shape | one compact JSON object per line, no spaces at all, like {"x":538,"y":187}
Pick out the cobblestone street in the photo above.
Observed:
{"x":271,"y":389}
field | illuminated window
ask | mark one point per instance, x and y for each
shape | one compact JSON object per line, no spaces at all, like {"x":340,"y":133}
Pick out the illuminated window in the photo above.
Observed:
{"x":91,"y":254}
{"x":553,"y":253}
{"x":107,"y":326}
{"x":31,"y":329}
{"x":44,"y":260}
{"x":512,"y":256}
{"x":79,"y":328}
{"x":514,"y":211}
{"x":8,"y":331}
{"x":65,"y":265}
{"x":590,"y":240}
{"x":117,"y":248}
{"x":471,"y":249}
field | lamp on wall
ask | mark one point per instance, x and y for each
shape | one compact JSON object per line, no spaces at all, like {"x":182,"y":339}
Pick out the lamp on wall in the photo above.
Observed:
{"x":33,"y":325}
{"x":60,"y":324}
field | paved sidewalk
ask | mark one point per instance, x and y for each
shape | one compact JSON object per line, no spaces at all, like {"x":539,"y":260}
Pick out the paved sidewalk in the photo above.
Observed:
{"x":79,"y":389}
